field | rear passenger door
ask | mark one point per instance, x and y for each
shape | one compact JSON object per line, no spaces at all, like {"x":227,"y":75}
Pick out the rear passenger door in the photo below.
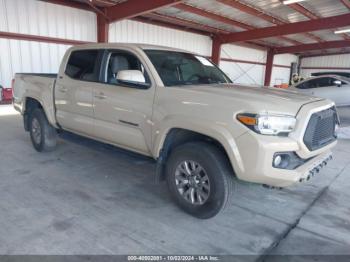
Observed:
{"x":73,"y":91}
{"x":123,"y":114}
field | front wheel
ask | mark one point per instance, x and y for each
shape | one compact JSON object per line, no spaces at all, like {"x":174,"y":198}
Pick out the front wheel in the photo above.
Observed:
{"x":199,"y":178}
{"x":42,"y":134}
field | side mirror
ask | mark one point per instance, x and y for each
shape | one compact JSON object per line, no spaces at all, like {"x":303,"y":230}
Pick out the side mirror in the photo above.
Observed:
{"x":337,"y":83}
{"x":132,"y":78}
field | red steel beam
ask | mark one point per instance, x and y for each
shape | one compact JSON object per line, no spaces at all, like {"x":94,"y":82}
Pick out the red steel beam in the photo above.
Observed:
{"x":193,"y":27}
{"x":309,"y":47}
{"x":169,"y":23}
{"x":261,"y":14}
{"x":149,"y":20}
{"x":213,"y":16}
{"x":133,"y":8}
{"x":186,"y":23}
{"x":152,"y":21}
{"x":44,"y":39}
{"x":252,"y":11}
{"x":291,"y":28}
{"x":268,"y":67}
{"x":222,"y":19}
{"x":102,"y":29}
{"x":216,"y":51}
{"x":98,"y":11}
{"x":301,"y":9}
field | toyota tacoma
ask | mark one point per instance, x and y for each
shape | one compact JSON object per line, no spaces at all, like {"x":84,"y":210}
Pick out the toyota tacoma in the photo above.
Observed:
{"x":182,"y":110}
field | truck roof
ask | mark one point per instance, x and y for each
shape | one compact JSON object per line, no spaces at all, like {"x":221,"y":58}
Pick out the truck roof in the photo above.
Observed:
{"x":137,"y":45}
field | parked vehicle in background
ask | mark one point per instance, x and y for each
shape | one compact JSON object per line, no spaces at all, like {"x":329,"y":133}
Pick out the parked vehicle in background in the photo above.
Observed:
{"x":333,"y":87}
{"x":183,"y":111}
{"x":345,"y":74}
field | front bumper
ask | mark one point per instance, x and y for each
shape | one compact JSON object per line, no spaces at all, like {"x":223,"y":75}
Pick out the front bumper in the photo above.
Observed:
{"x":254,"y":153}
{"x":257,"y":153}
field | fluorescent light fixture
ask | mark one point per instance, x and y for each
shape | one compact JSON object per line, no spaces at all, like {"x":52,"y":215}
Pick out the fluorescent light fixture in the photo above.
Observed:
{"x":342,"y":31}
{"x":288,"y":2}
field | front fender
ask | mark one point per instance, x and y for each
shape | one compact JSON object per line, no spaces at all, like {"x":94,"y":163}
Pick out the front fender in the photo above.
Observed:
{"x":217,"y":131}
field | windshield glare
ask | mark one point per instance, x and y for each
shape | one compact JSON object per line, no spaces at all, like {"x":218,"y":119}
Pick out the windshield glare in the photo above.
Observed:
{"x":180,"y":68}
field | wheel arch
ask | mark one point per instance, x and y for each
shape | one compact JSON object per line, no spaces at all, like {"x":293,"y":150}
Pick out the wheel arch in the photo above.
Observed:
{"x":30,"y":104}
{"x":180,"y":136}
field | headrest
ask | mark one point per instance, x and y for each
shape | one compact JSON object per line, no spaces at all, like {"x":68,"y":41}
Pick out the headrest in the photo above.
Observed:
{"x":119,"y":63}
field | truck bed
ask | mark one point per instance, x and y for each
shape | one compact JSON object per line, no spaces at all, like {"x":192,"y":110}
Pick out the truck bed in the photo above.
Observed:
{"x":36,"y":86}
{"x":39,"y":74}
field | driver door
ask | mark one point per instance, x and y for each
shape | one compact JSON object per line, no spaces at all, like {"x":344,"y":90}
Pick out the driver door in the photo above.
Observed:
{"x":122,"y":114}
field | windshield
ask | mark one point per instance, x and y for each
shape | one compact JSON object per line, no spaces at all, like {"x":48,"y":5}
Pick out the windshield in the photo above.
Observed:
{"x":180,"y":68}
{"x":345,"y":79}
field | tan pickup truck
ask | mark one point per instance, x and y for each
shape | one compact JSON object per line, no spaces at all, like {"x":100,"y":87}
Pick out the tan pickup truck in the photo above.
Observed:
{"x":181,"y":110}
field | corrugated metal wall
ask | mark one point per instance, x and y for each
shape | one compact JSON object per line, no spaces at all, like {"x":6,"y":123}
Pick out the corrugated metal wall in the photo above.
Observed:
{"x":253,"y":74}
{"x":243,"y":73}
{"x":339,"y":63}
{"x":136,"y":32}
{"x":44,"y":19}
{"x":281,"y":74}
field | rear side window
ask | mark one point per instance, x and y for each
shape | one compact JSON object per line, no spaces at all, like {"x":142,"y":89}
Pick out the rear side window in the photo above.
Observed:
{"x":313,"y":83}
{"x":82,"y":65}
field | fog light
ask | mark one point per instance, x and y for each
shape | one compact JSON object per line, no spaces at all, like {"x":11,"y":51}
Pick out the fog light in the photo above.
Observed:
{"x":287,"y":160}
{"x":277,"y":161}
{"x":281,"y":160}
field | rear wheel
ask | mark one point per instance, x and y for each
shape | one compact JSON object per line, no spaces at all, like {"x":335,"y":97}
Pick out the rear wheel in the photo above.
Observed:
{"x":199,"y":178}
{"x":42,"y":134}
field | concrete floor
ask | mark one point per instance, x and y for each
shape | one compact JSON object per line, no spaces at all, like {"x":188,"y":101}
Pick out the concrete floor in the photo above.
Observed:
{"x":90,"y":198}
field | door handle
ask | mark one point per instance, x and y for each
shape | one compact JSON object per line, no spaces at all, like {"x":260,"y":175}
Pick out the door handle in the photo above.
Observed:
{"x":101,"y":96}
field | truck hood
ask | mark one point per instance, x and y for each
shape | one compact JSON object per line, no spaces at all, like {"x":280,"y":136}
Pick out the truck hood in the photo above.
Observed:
{"x":262,"y":98}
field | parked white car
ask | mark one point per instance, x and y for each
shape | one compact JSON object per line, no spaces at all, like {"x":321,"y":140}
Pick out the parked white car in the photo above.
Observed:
{"x":333,"y":87}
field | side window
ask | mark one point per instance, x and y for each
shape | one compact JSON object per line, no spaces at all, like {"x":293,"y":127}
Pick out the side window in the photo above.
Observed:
{"x":313,"y":83}
{"x":303,"y":85}
{"x":82,"y":65}
{"x":121,"y":60}
{"x":325,"y":81}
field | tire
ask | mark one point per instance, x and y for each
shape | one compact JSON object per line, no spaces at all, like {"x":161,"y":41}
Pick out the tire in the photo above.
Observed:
{"x":42,"y":134}
{"x":211,"y":168}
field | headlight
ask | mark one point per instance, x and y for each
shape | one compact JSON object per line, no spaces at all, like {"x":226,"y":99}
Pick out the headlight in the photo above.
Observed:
{"x":267,"y":124}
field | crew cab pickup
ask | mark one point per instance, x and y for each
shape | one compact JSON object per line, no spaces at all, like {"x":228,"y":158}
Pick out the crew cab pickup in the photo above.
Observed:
{"x":183,"y":111}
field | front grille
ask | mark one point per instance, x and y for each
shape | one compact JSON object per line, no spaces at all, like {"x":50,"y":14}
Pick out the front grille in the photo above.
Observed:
{"x":320,"y":130}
